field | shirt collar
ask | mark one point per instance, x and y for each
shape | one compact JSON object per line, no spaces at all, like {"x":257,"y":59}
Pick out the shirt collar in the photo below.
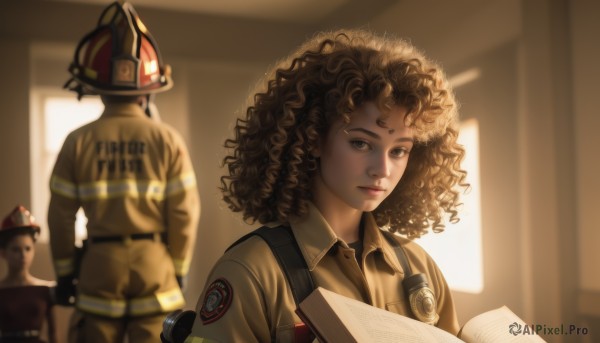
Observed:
{"x":315,"y":238}
{"x":373,"y":240}
{"x":123,"y":109}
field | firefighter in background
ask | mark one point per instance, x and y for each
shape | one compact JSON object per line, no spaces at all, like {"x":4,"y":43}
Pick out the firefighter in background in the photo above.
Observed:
{"x":134,"y":179}
{"x":26,"y":304}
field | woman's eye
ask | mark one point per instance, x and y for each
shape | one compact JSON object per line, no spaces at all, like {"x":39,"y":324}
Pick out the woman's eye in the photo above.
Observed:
{"x":359,"y":144}
{"x":400,"y":152}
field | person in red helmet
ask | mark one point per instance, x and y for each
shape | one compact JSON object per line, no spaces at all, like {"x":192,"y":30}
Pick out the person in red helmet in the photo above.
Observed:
{"x":26,"y":305}
{"x":135,"y":182}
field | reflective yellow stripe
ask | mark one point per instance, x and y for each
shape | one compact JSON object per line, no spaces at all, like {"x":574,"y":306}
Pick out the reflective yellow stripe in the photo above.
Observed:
{"x":113,"y":189}
{"x":171,"y":300}
{"x":160,"y":302}
{"x":100,"y":306}
{"x":64,"y":267}
{"x":182,"y":267}
{"x":90,"y":73}
{"x":178,"y":184}
{"x":132,"y":188}
{"x":63,"y":187}
{"x":142,"y":306}
{"x":115,"y":308}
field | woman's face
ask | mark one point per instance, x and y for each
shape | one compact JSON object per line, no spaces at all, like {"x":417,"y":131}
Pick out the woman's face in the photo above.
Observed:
{"x":362,"y":162}
{"x":19,"y":252}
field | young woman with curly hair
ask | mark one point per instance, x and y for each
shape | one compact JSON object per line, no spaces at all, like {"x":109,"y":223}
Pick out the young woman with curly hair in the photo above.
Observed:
{"x":352,"y":135}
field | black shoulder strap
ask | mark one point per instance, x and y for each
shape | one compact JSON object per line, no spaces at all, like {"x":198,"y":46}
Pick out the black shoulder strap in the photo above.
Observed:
{"x":399,"y":252}
{"x":413,"y":285}
{"x":287,"y":252}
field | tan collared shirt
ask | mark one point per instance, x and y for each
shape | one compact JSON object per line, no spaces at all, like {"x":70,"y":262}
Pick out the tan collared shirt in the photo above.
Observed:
{"x":262,"y":305}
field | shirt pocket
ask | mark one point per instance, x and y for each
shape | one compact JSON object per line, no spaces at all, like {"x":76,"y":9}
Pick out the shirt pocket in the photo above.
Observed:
{"x":399,"y":307}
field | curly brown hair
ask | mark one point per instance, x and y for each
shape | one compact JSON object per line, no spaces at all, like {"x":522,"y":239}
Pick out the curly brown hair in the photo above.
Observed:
{"x":270,"y":164}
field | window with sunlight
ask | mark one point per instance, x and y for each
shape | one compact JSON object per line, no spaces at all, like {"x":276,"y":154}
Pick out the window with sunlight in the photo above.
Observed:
{"x":55,"y":116}
{"x":457,"y":250}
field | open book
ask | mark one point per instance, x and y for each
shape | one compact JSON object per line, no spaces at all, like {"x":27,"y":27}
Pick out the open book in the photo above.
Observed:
{"x":336,"y":318}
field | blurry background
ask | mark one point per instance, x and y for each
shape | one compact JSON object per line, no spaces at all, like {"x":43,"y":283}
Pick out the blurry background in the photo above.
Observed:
{"x":525,"y":73}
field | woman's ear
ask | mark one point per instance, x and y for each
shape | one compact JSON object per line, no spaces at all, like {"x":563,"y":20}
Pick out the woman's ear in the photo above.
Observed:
{"x":316,"y":152}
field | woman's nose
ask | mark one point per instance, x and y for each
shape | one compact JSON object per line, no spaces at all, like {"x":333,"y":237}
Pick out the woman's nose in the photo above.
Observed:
{"x":379,"y":167}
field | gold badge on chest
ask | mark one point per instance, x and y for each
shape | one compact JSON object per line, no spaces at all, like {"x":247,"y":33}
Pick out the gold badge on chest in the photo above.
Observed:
{"x":421,"y":298}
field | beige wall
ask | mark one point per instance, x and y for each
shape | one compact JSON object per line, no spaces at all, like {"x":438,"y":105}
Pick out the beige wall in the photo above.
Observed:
{"x":534,"y":101}
{"x":212,"y":106}
{"x":586,"y":73}
{"x":14,"y":123}
{"x":585,"y":55}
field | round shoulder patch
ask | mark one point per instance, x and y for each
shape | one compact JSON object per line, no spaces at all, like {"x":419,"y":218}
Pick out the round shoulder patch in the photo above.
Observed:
{"x":216,"y":301}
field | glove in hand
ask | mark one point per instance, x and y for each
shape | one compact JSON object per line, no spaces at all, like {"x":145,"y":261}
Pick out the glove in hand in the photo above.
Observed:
{"x":65,"y":290}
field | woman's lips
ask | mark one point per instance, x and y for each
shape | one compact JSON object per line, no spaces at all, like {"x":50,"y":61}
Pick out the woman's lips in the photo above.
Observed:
{"x":372,"y":190}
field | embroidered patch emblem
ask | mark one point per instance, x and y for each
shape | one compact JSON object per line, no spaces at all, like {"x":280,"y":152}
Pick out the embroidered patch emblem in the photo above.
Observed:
{"x":124,"y":72}
{"x":216,"y":301}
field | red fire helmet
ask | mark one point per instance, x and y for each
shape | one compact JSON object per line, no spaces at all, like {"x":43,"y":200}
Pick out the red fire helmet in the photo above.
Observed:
{"x":119,"y":57}
{"x":19,"y":218}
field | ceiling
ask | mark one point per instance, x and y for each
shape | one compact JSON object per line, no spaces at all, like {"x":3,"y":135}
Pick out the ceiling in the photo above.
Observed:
{"x":249,"y":31}
{"x":297,"y":11}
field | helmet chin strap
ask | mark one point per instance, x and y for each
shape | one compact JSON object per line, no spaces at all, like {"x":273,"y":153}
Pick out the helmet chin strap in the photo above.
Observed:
{"x":150,"y":108}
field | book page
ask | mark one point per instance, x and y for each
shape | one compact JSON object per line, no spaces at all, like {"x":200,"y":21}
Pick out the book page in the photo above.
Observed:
{"x":371,"y":324}
{"x":499,"y":325}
